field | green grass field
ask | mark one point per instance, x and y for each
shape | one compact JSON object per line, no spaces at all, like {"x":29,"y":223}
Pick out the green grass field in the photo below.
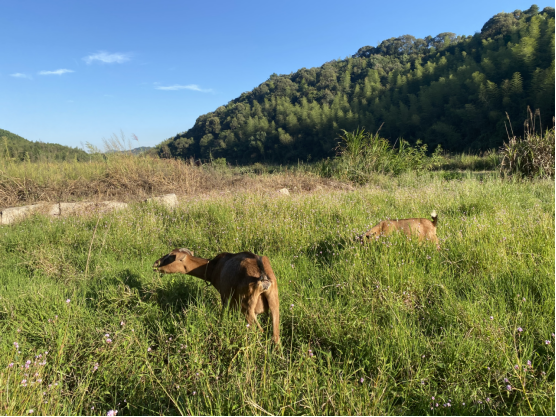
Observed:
{"x":392,"y":327}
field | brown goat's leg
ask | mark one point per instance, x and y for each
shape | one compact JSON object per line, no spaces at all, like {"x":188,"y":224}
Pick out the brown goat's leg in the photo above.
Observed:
{"x":274,"y":307}
{"x":250,"y":313}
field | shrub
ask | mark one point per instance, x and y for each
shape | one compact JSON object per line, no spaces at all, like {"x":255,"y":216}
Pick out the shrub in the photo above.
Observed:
{"x":532,"y":156}
{"x":361,"y":154}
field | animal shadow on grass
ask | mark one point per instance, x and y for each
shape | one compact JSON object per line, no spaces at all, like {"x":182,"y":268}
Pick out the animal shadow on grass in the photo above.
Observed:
{"x":325,"y":251}
{"x":171,"y":293}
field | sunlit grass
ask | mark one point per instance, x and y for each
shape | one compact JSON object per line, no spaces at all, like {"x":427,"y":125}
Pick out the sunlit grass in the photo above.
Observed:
{"x":374,"y":329}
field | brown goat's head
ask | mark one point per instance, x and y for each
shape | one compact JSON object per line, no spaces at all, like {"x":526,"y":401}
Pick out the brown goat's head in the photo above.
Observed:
{"x":174,"y":262}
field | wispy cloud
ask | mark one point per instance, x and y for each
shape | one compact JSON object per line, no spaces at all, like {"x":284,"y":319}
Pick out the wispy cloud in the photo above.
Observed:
{"x":21,"y":75}
{"x":57,"y":72}
{"x":175,"y":87}
{"x":107,"y":58}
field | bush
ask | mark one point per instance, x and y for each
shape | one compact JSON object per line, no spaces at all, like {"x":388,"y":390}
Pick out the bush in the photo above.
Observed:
{"x":532,"y":156}
{"x":361,"y":154}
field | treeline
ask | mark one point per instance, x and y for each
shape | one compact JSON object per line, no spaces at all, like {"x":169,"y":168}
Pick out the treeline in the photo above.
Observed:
{"x":15,"y":148}
{"x":446,"y":90}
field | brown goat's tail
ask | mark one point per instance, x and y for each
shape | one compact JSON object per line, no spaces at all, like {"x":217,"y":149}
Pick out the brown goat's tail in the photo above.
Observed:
{"x":264,"y":280}
{"x":434,"y":218}
{"x":264,"y":276}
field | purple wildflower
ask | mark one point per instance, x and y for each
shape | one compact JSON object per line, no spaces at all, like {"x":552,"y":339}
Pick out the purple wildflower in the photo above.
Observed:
{"x":68,"y":301}
{"x":547,"y":342}
{"x":362,"y":380}
{"x":519,"y":329}
{"x":112,"y":412}
{"x":509,"y":387}
{"x":108,"y":340}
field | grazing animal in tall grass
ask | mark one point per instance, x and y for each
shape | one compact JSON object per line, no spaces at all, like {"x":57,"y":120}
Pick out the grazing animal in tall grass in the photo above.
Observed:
{"x":423,"y":228}
{"x":243,"y":279}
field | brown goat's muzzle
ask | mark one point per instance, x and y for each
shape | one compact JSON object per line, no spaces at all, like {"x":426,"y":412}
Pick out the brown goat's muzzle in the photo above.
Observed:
{"x":165,"y":260}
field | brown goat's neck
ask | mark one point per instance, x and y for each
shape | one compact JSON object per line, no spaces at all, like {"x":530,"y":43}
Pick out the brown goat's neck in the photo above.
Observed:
{"x":198,"y":267}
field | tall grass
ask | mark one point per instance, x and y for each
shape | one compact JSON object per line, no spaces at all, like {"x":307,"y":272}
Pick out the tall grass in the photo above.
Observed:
{"x":388,"y":328}
{"x":362,"y":155}
{"x":533,"y":155}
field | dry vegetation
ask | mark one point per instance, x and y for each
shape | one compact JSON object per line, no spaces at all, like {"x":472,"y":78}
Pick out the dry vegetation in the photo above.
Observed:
{"x":129,"y":178}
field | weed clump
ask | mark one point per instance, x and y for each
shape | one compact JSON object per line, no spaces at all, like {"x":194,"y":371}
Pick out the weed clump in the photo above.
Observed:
{"x":361,"y":154}
{"x":532,"y":156}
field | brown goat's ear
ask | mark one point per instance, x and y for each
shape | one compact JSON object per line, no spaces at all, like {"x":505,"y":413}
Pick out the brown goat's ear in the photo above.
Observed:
{"x":186,"y":251}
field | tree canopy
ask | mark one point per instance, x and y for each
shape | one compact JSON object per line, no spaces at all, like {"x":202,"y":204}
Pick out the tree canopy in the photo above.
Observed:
{"x":447,"y":90}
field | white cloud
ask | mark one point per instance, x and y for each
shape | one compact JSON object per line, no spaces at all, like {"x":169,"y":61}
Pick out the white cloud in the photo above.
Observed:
{"x":175,"y":87}
{"x":107,"y":58}
{"x":20,"y":75}
{"x":57,"y":72}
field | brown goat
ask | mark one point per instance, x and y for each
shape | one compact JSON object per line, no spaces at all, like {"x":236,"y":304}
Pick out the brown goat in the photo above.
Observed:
{"x":243,"y":279}
{"x":423,"y":228}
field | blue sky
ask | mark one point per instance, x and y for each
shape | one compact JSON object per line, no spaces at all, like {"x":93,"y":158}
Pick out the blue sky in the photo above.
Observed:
{"x":78,"y":71}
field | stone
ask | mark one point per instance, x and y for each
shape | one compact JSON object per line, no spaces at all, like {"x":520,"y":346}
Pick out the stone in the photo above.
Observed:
{"x":168,"y":200}
{"x":88,"y":207}
{"x":284,"y":191}
{"x":13,"y":214}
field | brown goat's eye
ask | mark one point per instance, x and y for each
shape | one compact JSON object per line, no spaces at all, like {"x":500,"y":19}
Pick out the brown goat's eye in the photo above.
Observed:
{"x":168,"y":259}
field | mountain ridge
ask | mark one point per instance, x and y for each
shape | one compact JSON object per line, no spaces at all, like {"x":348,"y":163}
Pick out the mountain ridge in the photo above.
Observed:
{"x":446,"y":90}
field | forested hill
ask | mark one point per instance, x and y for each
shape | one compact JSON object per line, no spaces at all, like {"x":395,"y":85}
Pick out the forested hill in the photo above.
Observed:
{"x":14,"y":147}
{"x":449,"y":90}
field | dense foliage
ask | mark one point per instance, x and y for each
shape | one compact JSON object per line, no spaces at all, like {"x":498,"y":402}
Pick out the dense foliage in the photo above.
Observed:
{"x":14,"y":147}
{"x":448,"y":90}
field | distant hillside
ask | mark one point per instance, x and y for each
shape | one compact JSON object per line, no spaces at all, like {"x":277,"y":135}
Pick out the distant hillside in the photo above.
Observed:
{"x":134,"y":151}
{"x":446,"y":90}
{"x":15,"y":147}
{"x":141,"y":149}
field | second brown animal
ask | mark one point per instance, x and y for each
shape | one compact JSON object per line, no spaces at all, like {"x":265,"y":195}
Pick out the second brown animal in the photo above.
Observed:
{"x":424,"y":229}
